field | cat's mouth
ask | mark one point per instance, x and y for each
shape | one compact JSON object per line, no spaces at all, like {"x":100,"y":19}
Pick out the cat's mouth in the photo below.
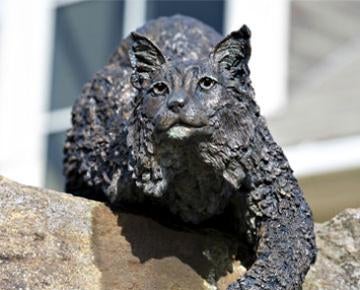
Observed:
{"x":167,"y":121}
{"x":188,"y":124}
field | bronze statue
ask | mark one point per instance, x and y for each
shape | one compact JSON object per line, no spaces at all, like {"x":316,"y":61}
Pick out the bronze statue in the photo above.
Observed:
{"x":171,"y":122}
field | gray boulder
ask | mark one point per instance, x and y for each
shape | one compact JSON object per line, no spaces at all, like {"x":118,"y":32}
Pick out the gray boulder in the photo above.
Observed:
{"x":52,"y":240}
{"x":338,"y":262}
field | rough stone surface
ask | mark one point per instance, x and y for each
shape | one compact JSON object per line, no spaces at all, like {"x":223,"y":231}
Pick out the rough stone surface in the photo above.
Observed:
{"x":45,"y":240}
{"x":52,"y":240}
{"x":338,"y":261}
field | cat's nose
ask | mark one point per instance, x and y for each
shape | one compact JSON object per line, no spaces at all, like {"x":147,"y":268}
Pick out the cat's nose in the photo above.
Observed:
{"x":176,"y":102}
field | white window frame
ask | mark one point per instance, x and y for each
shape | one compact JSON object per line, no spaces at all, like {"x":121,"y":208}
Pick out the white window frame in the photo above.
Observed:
{"x":25,"y":57}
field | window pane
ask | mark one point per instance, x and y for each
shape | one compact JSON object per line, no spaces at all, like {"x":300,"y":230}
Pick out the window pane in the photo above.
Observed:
{"x":86,"y":35}
{"x":210,"y":12}
{"x":54,"y":178}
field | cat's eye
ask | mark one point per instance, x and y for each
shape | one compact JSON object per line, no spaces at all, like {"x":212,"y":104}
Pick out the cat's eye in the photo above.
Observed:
{"x":160,"y":88}
{"x":207,"y":83}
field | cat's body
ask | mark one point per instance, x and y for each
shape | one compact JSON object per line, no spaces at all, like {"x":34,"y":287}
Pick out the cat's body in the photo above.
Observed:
{"x":172,"y":121}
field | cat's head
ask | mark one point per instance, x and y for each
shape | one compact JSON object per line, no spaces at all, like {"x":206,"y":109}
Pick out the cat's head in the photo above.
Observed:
{"x":181,"y":99}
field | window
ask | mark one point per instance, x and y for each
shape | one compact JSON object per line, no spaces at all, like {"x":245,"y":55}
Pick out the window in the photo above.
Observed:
{"x":86,"y":34}
{"x":210,"y":12}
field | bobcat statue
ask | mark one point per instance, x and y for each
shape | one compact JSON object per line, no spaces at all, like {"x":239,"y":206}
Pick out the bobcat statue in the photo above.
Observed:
{"x":171,"y":122}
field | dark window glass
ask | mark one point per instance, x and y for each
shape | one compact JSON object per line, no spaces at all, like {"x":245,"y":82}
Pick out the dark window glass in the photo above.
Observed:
{"x":86,"y":35}
{"x":210,"y":12}
{"x":54,"y":178}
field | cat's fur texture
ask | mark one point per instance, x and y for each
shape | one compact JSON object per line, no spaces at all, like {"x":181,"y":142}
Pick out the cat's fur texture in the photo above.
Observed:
{"x":172,"y":121}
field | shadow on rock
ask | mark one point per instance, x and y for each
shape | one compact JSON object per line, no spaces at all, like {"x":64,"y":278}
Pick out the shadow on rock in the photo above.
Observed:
{"x":137,"y":252}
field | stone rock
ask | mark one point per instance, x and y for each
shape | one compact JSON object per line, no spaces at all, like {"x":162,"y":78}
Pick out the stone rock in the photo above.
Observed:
{"x":53,"y":240}
{"x":45,"y":240}
{"x":338,"y":262}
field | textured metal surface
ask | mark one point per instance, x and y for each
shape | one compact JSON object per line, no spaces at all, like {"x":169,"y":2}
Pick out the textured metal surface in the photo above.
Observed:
{"x":171,"y":124}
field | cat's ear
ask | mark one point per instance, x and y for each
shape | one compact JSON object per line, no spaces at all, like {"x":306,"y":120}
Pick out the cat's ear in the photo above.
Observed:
{"x":145,"y":58}
{"x":233,"y":52}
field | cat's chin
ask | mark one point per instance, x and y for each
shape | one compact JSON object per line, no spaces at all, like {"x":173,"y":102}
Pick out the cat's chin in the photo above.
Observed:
{"x":182,"y":132}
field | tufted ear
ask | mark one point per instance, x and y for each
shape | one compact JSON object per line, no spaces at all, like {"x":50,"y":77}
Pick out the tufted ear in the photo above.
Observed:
{"x":233,"y":52}
{"x":145,"y":58}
